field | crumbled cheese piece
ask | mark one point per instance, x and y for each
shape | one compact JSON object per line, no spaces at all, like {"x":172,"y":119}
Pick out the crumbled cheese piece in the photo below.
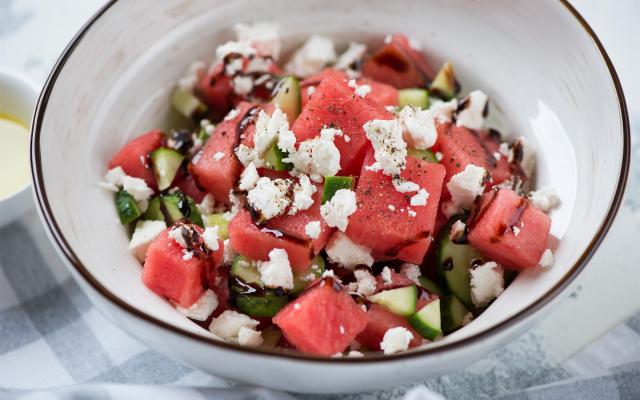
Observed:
{"x":113,"y":179}
{"x":264,"y":36}
{"x":201,"y":309}
{"x":497,"y":155}
{"x":336,"y":211}
{"x":274,"y":232}
{"x":235,"y":47}
{"x":391,"y":207}
{"x":330,"y":274}
{"x":443,"y":111}
{"x":270,"y":196}
{"x":386,"y":276}
{"x":355,"y":354}
{"x":347,"y":139}
{"x":547,"y":260}
{"x":317,"y":157}
{"x":487,"y":283}
{"x":236,"y":203}
{"x":229,"y":253}
{"x":352,"y":83}
{"x":363,"y":90}
{"x":457,"y":230}
{"x":516,"y":230}
{"x":411,"y":272}
{"x":341,"y":329}
{"x":388,"y":144}
{"x":303,"y":192}
{"x":177,"y":234}
{"x":350,"y":56}
{"x":311,"y":90}
{"x":207,"y":205}
{"x":210,"y":237}
{"x":191,"y":76}
{"x":404,"y":186}
{"x":259,"y":64}
{"x":137,"y":188}
{"x":276,"y":273}
{"x":218,"y":156}
{"x":312,"y":57}
{"x":420,"y":127}
{"x":528,"y":153}
{"x":545,"y":199}
{"x":234,"y":66}
{"x":420,"y":198}
{"x":365,"y":282}
{"x":465,"y":186}
{"x":242,"y":85}
{"x":396,"y":340}
{"x":248,"y":155}
{"x":296,"y":306}
{"x":249,"y":337}
{"x":249,"y":177}
{"x":343,"y":251}
{"x":269,"y":128}
{"x":472,"y":115}
{"x":438,"y":156}
{"x":231,"y":114}
{"x":143,"y":235}
{"x":187,"y":255}
{"x":228,"y":324}
{"x":411,"y":213}
{"x":312,"y":229}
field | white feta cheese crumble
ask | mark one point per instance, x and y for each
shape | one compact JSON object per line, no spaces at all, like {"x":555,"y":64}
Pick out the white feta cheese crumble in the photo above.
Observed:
{"x":242,"y":85}
{"x":350,"y":56}
{"x":411,"y":213}
{"x":545,"y":199}
{"x":336,"y":212}
{"x":391,"y":207}
{"x":143,"y":235}
{"x":443,"y":111}
{"x":229,"y":253}
{"x":528,"y":154}
{"x":231,"y":114}
{"x":439,"y":156}
{"x":137,"y":188}
{"x":352,"y":83}
{"x":504,"y":150}
{"x":411,"y":272}
{"x":317,"y":157}
{"x":248,"y":155}
{"x":386,"y":276}
{"x":207,"y":205}
{"x":234,"y":47}
{"x":343,"y":251}
{"x":113,"y":179}
{"x":234,"y":66}
{"x":403,"y":186}
{"x":270,"y":196}
{"x":365,"y":282}
{"x":312,"y":57}
{"x":276,"y":273}
{"x":547,"y":260}
{"x":457,"y":230}
{"x":396,"y":340}
{"x":228,"y":324}
{"x":312,"y":229}
{"x":249,"y":177}
{"x":249,"y":337}
{"x":177,"y":234}
{"x":487,"y":283}
{"x":363,"y":90}
{"x":187,"y":255}
{"x":465,"y":186}
{"x":210,"y":237}
{"x":419,"y":127}
{"x":472,"y":115}
{"x":388,"y":144}
{"x":269,"y":128}
{"x":420,"y":198}
{"x":355,"y":354}
{"x":303,"y":192}
{"x":311,"y":90}
{"x":201,"y":309}
{"x":264,"y":36}
{"x":515,"y":230}
{"x":218,"y":156}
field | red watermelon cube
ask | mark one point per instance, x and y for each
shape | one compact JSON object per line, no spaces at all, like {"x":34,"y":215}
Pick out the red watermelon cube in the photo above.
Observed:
{"x":189,"y":187}
{"x":219,"y":175}
{"x":500,"y":167}
{"x":133,"y":158}
{"x":252,"y":242}
{"x":379,"y":321}
{"x":397,"y":281}
{"x":321,"y":321}
{"x":507,"y":229}
{"x":383,"y":221}
{"x":335,"y":104}
{"x":215,"y":90}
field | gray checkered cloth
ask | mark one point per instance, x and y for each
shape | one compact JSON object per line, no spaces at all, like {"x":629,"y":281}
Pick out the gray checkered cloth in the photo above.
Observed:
{"x":55,"y":345}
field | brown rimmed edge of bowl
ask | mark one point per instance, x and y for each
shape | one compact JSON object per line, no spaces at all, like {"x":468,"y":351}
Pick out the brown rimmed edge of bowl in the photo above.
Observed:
{"x":57,"y":236}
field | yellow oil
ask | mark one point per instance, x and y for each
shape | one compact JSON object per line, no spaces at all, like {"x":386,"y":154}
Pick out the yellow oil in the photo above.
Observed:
{"x":14,"y":156}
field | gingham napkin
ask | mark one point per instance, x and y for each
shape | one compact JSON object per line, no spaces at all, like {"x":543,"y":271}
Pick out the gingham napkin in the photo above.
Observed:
{"x":55,"y":345}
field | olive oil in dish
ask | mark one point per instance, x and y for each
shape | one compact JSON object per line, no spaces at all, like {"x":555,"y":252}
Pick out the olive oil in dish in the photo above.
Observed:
{"x":14,"y":156}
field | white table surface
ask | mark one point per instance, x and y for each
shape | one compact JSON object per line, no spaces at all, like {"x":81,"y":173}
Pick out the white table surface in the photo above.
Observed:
{"x":34,"y":32}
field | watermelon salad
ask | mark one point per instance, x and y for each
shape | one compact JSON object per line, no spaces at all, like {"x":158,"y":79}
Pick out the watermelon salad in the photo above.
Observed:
{"x":334,"y":204}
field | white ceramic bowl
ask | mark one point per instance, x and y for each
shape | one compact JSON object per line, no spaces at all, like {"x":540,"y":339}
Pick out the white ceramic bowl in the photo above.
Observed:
{"x":18,"y":96}
{"x":548,"y":77}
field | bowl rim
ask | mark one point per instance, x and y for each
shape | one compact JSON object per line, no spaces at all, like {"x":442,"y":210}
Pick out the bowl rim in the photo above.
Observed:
{"x":68,"y":254}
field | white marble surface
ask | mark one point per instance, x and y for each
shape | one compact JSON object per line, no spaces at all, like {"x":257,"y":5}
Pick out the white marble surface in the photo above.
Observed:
{"x":34,"y":32}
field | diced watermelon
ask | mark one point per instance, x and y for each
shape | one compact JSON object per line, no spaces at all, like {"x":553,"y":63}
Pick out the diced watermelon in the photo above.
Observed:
{"x":168,"y":274}
{"x":398,"y":64}
{"x":507,"y":229}
{"x":219,"y":176}
{"x":133,"y":158}
{"x":215,"y":90}
{"x":294,"y":225}
{"x":322,"y":321}
{"x":397,"y":281}
{"x":219,"y":283}
{"x":387,"y":230}
{"x":250,"y":241}
{"x":501,"y":169}
{"x":335,"y":104}
{"x":379,"y":321}
{"x":188,"y":185}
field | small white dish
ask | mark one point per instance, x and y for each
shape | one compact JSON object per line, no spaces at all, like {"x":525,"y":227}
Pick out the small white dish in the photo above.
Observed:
{"x":18,"y":98}
{"x":114,"y":81}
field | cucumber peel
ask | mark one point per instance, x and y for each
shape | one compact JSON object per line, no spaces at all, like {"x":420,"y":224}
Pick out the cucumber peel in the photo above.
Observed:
{"x":274,"y":157}
{"x":427,"y":321}
{"x":246,"y":270}
{"x":453,"y":313}
{"x":286,"y":95}
{"x":401,"y":301}
{"x":301,"y":280}
{"x":221,"y":222}
{"x":187,"y":104}
{"x":127,"y":208}
{"x":334,"y":183}
{"x":426,"y":155}
{"x":430,"y":285}
{"x":413,"y":97}
{"x":154,"y":211}
{"x":260,"y":305}
{"x":166,"y":163}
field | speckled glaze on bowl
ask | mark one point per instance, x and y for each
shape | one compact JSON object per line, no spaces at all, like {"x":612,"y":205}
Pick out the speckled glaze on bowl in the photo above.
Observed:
{"x":544,"y":69}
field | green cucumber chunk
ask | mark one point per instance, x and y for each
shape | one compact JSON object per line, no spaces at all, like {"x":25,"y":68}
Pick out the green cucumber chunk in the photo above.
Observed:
{"x":221,"y":222}
{"x":430,"y":285}
{"x":414,"y":97}
{"x":187,"y":104}
{"x":274,"y":157}
{"x":427,"y":321}
{"x":126,"y":207}
{"x":260,"y":305}
{"x":452,"y":313}
{"x":334,"y":183}
{"x":426,"y":155}
{"x":246,"y":270}
{"x":453,"y":263}
{"x":286,"y":95}
{"x":302,"y":280}
{"x":178,"y":206}
{"x":445,"y":85}
{"x":401,"y":301}
{"x":166,"y":163}
{"x":154,"y":211}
